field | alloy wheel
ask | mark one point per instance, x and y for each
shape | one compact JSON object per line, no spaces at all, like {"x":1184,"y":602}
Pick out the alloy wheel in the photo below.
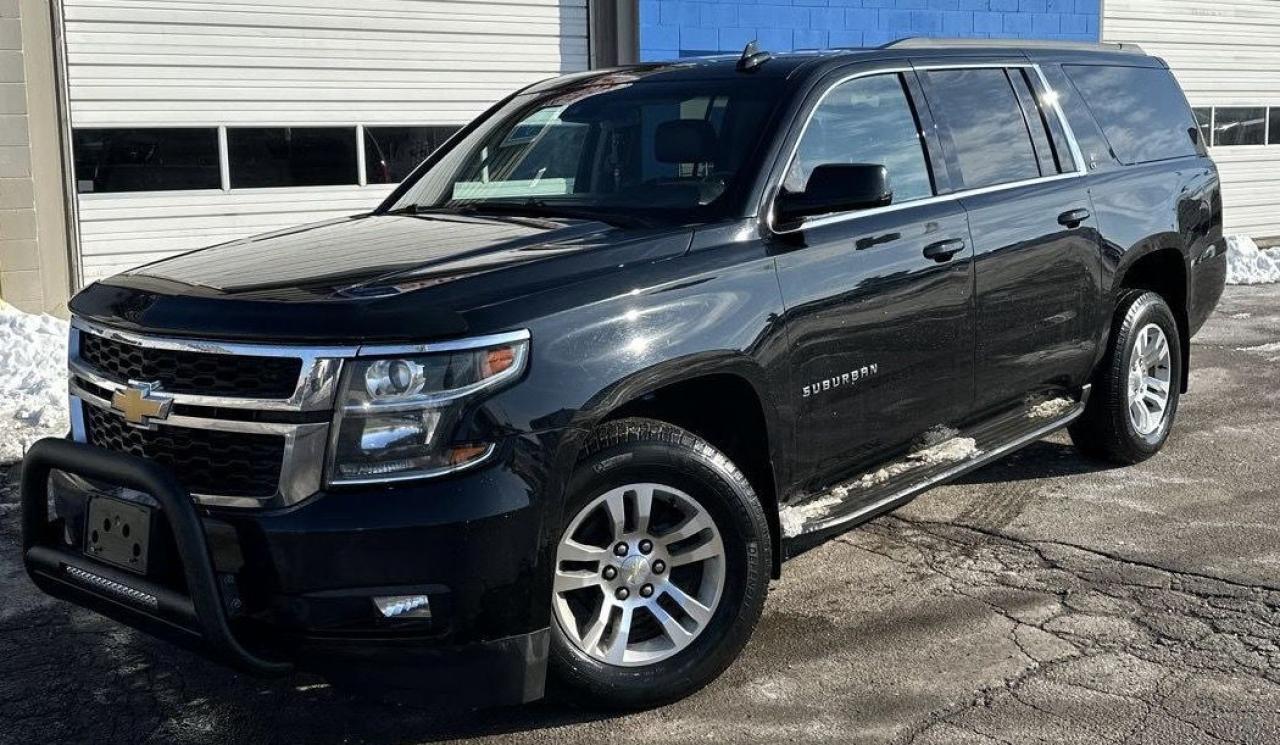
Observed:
{"x":639,"y":573}
{"x":1150,"y":376}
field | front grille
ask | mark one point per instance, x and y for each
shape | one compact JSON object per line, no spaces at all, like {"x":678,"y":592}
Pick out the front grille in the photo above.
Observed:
{"x":198,"y":373}
{"x":235,"y":464}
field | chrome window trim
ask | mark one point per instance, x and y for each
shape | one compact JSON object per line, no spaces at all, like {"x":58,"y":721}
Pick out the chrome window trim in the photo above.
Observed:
{"x":1048,"y":96}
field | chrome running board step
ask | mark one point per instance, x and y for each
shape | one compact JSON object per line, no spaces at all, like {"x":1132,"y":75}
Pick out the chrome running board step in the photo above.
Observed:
{"x":806,"y":523}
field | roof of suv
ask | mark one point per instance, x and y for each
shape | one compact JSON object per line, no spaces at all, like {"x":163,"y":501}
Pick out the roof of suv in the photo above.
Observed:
{"x":785,"y":64}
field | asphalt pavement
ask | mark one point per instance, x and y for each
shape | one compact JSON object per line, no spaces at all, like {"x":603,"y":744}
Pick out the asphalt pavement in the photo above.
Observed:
{"x":1045,"y":598}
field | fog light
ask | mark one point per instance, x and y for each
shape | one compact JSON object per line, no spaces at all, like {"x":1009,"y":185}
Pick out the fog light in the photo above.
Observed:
{"x":403,"y":606}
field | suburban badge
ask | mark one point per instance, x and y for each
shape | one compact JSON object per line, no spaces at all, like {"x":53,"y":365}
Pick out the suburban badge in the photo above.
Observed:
{"x":843,"y":379}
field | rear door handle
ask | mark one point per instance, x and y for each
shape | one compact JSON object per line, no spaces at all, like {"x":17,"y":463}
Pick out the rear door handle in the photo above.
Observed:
{"x":1073,"y":218}
{"x":943,"y":250}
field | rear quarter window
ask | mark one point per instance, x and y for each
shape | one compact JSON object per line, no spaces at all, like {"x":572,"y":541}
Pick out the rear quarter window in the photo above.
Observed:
{"x":1141,"y":110}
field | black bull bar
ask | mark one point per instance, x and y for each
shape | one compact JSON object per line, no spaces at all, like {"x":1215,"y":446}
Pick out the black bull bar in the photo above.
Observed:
{"x":196,"y":620}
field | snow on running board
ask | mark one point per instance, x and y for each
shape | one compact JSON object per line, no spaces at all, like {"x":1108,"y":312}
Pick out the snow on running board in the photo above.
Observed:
{"x":1049,"y":408}
{"x":936,"y":447}
{"x":33,"y":380}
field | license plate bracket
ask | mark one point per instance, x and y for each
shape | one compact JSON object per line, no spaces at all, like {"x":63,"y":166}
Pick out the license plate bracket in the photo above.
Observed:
{"x":119,"y":533}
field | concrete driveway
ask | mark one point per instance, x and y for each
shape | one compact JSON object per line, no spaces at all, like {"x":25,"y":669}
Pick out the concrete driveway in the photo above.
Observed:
{"x":1044,"y":599}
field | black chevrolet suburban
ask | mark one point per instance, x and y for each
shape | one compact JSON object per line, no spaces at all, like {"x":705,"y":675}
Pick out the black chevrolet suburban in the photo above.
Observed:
{"x":561,"y":406}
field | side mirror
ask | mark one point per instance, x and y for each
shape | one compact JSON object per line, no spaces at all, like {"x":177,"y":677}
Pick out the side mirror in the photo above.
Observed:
{"x":837,"y":187}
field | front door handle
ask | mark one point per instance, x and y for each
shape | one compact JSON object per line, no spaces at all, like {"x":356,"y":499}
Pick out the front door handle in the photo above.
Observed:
{"x":1073,"y":218}
{"x":943,"y":250}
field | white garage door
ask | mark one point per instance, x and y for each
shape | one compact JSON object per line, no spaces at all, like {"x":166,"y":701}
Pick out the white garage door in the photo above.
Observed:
{"x":198,"y":121}
{"x":1224,"y":53}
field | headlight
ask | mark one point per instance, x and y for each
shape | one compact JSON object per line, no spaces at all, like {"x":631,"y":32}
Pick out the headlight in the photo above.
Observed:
{"x":396,"y":415}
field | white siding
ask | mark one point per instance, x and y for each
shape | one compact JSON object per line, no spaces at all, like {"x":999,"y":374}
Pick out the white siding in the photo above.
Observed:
{"x":1224,"y":53}
{"x":140,"y":63}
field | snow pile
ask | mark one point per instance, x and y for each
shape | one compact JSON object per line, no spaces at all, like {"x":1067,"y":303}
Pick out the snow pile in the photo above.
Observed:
{"x":33,"y":380}
{"x":938,"y":446}
{"x":1249,"y":265}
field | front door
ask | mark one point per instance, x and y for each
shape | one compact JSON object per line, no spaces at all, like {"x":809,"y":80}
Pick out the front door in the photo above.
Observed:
{"x":1036,"y":250}
{"x":879,"y":303}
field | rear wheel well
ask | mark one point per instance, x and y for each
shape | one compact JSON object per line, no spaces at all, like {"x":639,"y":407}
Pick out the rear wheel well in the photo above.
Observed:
{"x":1164,"y":272}
{"x":725,"y":411}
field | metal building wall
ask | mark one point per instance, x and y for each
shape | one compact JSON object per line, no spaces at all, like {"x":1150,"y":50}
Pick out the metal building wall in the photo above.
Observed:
{"x":164,"y":63}
{"x":1225,"y":54}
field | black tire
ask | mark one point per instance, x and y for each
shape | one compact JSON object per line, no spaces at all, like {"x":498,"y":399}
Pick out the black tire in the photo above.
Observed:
{"x":1105,"y":430}
{"x":637,"y":450}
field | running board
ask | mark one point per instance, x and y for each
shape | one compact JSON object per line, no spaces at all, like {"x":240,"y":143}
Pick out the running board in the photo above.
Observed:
{"x":806,"y":523}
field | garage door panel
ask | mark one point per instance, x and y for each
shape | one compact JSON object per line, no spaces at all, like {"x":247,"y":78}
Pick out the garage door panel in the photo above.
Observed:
{"x":1223,"y":54}
{"x":205,"y":63}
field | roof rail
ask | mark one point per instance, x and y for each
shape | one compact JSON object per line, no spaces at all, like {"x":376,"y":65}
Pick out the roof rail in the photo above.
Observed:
{"x":925,"y":42}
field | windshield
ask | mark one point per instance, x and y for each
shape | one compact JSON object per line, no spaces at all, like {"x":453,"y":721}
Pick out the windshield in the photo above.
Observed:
{"x":612,"y":150}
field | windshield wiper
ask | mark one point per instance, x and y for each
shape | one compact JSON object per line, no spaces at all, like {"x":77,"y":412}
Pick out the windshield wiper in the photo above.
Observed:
{"x":542,"y":208}
{"x":528,"y":208}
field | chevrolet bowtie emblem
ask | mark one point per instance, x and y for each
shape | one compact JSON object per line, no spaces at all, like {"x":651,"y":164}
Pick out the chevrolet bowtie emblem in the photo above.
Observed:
{"x":140,"y":405}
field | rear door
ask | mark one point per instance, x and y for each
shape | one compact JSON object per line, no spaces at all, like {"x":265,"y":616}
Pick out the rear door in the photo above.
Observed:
{"x":881,"y":334}
{"x":1036,"y":247}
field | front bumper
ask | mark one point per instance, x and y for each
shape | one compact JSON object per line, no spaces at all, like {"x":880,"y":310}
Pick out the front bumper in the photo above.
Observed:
{"x":268,"y":591}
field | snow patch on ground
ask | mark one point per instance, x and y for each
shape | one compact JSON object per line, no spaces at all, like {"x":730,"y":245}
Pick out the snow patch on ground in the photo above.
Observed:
{"x":1049,"y":408}
{"x":938,"y":446}
{"x":1249,"y":265}
{"x":33,"y":380}
{"x":1272,"y":350}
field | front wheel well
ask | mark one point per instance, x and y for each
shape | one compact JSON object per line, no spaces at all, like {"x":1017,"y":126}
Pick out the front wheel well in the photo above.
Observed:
{"x":724,"y":410}
{"x":1164,"y":272}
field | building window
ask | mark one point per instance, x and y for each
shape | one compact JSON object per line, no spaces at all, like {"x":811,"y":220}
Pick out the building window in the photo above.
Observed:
{"x":1273,"y":127}
{"x":119,"y":160}
{"x":1239,"y":125}
{"x":1204,"y":118}
{"x":291,"y":156}
{"x":390,"y":153}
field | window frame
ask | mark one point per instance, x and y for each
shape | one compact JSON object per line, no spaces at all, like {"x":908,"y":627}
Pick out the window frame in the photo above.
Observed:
{"x":224,"y":165}
{"x":1017,"y":116}
{"x":127,"y":193}
{"x":1213,"y":126}
{"x":913,"y":108}
{"x":937,"y":155}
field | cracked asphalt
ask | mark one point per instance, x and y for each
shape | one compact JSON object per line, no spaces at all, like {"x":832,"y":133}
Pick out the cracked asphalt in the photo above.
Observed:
{"x":1045,"y":598}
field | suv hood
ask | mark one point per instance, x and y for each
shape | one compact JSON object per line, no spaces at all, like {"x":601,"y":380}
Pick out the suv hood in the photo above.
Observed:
{"x":365,"y":278}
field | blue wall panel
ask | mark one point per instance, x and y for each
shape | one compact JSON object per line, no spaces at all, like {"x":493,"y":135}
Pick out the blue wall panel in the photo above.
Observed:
{"x":684,"y":28}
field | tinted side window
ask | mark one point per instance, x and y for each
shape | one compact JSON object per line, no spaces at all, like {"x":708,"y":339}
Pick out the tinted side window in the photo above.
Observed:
{"x":291,"y":156}
{"x":986,"y":125}
{"x":1140,"y":109}
{"x":867,"y":120}
{"x":112,"y":160}
{"x":1036,"y":123}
